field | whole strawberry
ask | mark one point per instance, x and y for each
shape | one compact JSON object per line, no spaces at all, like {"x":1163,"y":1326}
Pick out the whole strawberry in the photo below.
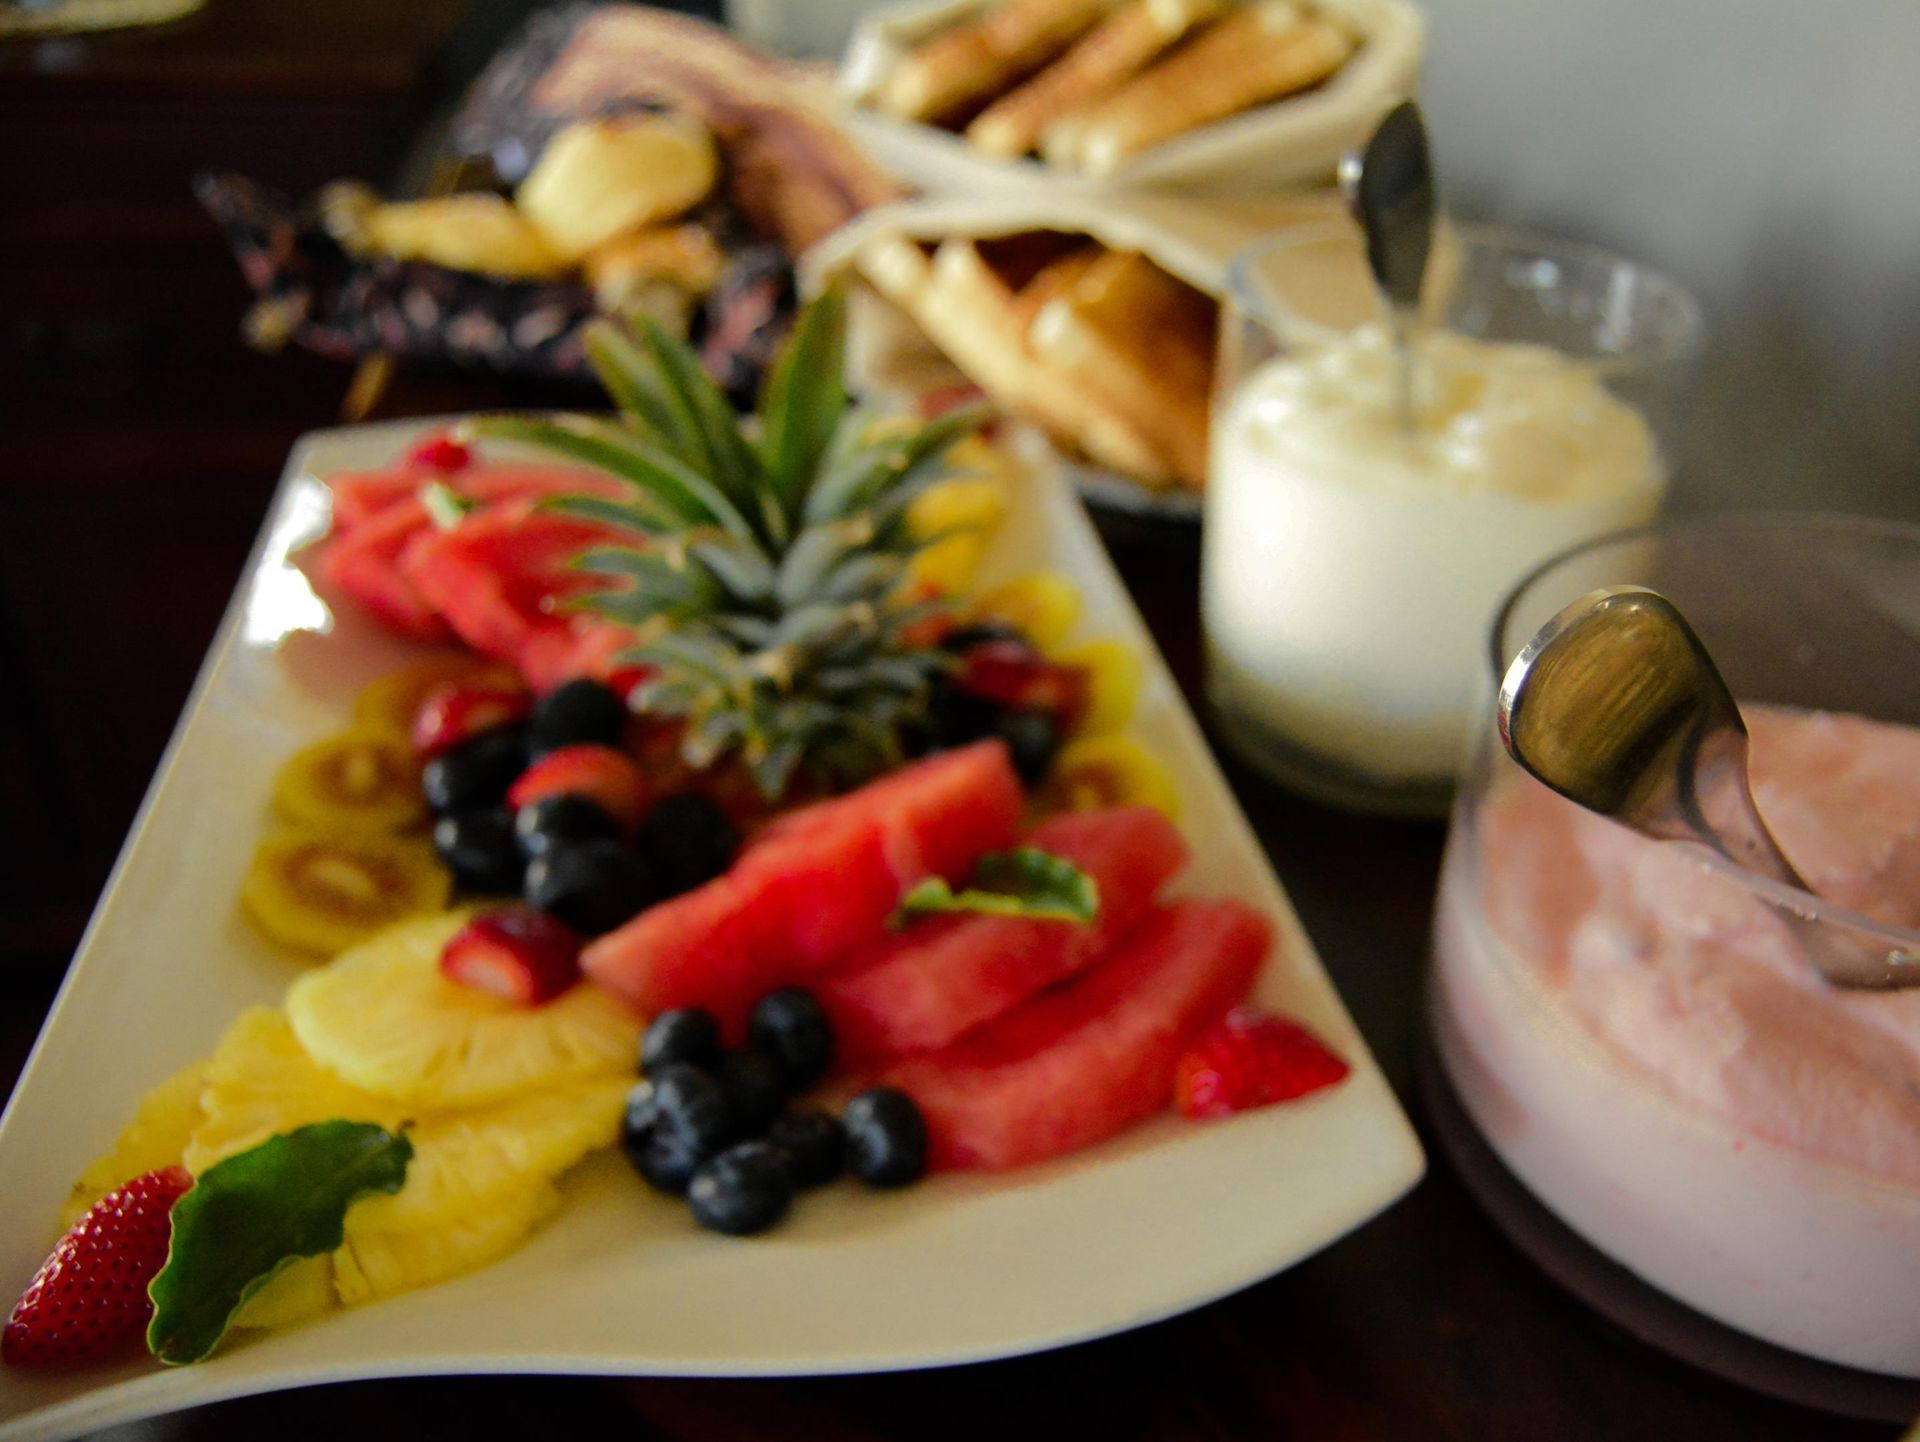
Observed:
{"x":89,"y":1298}
{"x":1252,"y":1059}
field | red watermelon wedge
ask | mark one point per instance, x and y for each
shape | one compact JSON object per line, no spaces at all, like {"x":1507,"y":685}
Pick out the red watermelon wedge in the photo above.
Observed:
{"x":1076,"y":1065}
{"x":365,"y":563}
{"x":501,"y":578}
{"x":941,"y":978}
{"x":813,"y":889}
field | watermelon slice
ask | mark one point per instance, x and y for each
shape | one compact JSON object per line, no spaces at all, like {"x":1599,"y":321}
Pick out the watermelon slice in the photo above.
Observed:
{"x":365,"y":563}
{"x":358,"y":496}
{"x":1077,"y":1065}
{"x":814,"y":888}
{"x":501,"y":579}
{"x":941,"y":978}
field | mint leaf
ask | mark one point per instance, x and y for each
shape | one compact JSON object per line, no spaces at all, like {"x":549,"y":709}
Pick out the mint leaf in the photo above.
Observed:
{"x":253,"y":1214}
{"x":445,"y":506}
{"x":1023,"y":882}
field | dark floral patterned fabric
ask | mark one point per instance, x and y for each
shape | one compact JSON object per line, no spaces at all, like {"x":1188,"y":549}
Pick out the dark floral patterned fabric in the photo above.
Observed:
{"x":310,"y":292}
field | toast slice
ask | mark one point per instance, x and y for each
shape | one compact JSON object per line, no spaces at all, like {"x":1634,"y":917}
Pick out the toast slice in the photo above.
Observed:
{"x":1259,"y":53}
{"x":963,"y":66}
{"x":1125,"y":330}
{"x":1104,"y":59}
{"x":967,"y":296}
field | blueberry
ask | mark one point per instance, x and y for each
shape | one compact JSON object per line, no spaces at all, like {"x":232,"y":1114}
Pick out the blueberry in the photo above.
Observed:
{"x":675,"y":1120}
{"x":689,"y":840}
{"x":979,"y":633}
{"x":560,"y":820}
{"x":956,"y":717}
{"x":593,"y":886}
{"x":886,"y":1138}
{"x":1033,"y":740}
{"x":756,"y":1089}
{"x":478,"y":848}
{"x":814,"y":1143}
{"x":476,"y":774}
{"x":792,"y":1028}
{"x":579,"y":712}
{"x":686,"y":1034}
{"x":744,"y":1190}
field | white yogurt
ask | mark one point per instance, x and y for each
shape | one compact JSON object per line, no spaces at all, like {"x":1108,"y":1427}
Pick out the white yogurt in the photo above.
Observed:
{"x":1351,"y":568}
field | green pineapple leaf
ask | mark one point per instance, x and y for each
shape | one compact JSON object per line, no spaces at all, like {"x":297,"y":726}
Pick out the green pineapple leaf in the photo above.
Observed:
{"x":629,"y":379}
{"x":804,"y":401}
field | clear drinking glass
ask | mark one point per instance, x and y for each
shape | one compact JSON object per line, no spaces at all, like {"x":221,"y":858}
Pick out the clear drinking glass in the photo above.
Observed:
{"x":1348,"y":569}
{"x":1637,"y":1033}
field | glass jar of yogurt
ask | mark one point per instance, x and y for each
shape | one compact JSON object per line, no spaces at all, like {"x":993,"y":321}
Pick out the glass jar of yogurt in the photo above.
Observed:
{"x":1639,"y":1035}
{"x":1349,"y":561}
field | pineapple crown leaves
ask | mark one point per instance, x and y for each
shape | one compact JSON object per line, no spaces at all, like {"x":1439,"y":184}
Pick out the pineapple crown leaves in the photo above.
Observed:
{"x":758,"y":565}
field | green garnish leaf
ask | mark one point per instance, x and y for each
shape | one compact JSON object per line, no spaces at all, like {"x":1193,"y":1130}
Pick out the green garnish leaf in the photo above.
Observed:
{"x":446,"y":507}
{"x":1023,"y":882}
{"x":254,"y":1214}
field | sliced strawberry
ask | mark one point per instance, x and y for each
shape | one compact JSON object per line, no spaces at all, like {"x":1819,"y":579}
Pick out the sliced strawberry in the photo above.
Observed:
{"x":608,"y":778}
{"x":89,"y":1298}
{"x":455,"y":714}
{"x":439,"y":454}
{"x":519,"y":954}
{"x":1252,"y":1059}
{"x":1014,"y":675}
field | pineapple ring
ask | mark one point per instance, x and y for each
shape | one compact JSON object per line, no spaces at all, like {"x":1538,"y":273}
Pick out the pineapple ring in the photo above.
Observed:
{"x":156,"y":1137}
{"x":391,"y":703}
{"x":294,"y":1294}
{"x":1042,"y":607}
{"x":321,"y":894}
{"x":1114,"y":674}
{"x":1093,"y":772}
{"x":260,"y":1082}
{"x":359,"y":781}
{"x":383,"y":1017}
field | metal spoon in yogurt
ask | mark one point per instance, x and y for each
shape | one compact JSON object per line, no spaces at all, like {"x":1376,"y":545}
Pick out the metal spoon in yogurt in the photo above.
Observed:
{"x":1389,"y":187}
{"x":1616,"y":705}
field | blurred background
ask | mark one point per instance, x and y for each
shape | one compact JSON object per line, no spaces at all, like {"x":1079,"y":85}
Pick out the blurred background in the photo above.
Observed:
{"x":1763,"y":152}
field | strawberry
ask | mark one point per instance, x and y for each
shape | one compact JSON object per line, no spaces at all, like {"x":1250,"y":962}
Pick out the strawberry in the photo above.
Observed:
{"x":1251,"y":1059}
{"x":441,"y":454}
{"x":453,"y":715}
{"x":89,"y":1298}
{"x":1014,"y":675}
{"x":606,"y":777}
{"x":522,"y":955}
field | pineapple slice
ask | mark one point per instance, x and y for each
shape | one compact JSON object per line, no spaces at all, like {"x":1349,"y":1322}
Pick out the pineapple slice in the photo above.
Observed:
{"x":479,"y":1182}
{"x":379,"y":1264}
{"x":1042,"y":607}
{"x":303,"y":1290}
{"x":1114,"y":674}
{"x":1094,"y":772}
{"x":384,"y":1018}
{"x":156,"y":1137}
{"x":956,"y":518}
{"x":260,"y":1081}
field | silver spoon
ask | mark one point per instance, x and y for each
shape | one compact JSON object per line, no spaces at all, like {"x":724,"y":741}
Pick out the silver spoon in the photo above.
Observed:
{"x":1389,"y":187}
{"x":1616,"y":705}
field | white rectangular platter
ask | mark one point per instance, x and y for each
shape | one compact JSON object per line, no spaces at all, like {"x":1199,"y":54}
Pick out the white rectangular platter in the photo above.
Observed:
{"x":958,"y":1269}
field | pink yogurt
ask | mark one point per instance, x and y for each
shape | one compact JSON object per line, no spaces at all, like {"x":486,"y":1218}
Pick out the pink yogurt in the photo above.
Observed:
{"x":1648,"y":1047}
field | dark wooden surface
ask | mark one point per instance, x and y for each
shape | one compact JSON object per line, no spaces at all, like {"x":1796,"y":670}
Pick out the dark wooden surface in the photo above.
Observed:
{"x":136,"y":457}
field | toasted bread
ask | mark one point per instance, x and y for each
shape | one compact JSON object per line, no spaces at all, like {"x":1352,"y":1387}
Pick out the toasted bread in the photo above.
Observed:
{"x":972,"y":311}
{"x":1258,"y":53}
{"x":1098,"y":64}
{"x":1126,"y":330}
{"x":968,"y":63}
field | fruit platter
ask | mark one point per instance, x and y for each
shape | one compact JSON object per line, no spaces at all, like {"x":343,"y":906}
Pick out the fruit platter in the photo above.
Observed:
{"x":668,"y":893}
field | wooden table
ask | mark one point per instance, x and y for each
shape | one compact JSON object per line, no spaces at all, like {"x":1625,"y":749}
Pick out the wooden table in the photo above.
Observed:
{"x":139,"y":452}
